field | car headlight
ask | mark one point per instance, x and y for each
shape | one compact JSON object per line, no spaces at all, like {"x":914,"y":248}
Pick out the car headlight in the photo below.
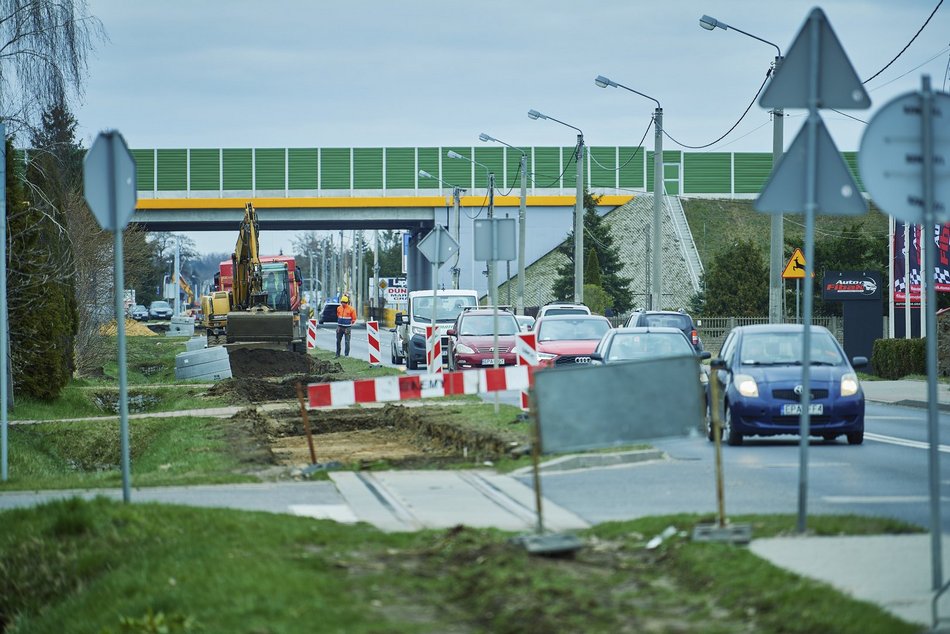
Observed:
{"x":542,"y":356}
{"x":746,"y":385}
{"x":849,"y":384}
{"x":461,"y":347}
{"x":419,"y":330}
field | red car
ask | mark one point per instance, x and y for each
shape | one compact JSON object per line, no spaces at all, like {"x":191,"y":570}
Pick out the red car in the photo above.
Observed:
{"x":568,"y":339}
{"x":471,"y":339}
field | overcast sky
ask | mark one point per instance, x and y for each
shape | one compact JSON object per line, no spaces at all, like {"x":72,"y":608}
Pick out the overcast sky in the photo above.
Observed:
{"x":371,"y":73}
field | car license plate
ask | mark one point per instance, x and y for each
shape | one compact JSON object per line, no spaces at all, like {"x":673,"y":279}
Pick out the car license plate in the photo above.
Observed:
{"x":796,"y":408}
{"x":492,"y":362}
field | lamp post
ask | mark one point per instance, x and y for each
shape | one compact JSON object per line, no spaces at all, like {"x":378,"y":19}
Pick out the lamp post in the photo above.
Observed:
{"x":777,"y":239}
{"x":492,"y":281}
{"x":456,"y":196}
{"x":519,"y":300}
{"x":578,"y":208}
{"x":655,"y":297}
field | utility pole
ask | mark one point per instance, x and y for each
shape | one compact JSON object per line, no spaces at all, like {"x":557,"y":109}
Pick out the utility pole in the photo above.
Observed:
{"x":656,"y":271}
{"x":579,"y":224}
{"x":376,"y":312}
{"x":456,"y":196}
{"x":777,"y":240}
{"x":521,"y":231}
{"x":340,"y":267}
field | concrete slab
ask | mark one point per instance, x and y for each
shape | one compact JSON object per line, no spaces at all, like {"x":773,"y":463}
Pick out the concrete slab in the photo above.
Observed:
{"x":412,"y":500}
{"x":892,"y":571}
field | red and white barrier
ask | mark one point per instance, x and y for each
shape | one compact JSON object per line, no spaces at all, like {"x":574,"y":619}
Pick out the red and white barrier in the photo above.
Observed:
{"x":372,"y":340}
{"x":311,"y":334}
{"x":433,"y":350}
{"x":401,"y":388}
{"x":526,"y":349}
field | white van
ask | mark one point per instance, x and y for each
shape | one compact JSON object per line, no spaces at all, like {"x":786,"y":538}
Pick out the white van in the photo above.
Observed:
{"x":409,"y":335}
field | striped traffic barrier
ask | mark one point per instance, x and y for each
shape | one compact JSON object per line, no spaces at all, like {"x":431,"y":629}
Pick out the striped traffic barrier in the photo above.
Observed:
{"x":372,"y":340}
{"x":433,"y":350}
{"x":311,"y":334}
{"x":526,"y":350}
{"x":407,"y":387}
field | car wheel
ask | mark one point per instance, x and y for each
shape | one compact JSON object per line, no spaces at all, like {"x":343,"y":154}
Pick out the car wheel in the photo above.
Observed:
{"x":733,"y":438}
{"x":392,"y":355}
{"x":709,"y":424}
{"x":411,"y":363}
{"x":856,"y":438}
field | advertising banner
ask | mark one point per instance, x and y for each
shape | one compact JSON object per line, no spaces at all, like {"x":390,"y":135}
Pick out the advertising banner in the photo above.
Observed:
{"x":939,"y":239}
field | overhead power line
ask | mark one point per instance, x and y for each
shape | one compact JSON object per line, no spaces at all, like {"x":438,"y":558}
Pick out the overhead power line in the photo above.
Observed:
{"x":926,"y":22}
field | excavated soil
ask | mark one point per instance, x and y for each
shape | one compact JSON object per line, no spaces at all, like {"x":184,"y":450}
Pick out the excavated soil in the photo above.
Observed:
{"x":394,"y":434}
{"x":260,"y":363}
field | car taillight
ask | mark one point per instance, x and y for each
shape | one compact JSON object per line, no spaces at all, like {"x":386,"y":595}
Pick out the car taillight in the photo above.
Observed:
{"x":694,"y":337}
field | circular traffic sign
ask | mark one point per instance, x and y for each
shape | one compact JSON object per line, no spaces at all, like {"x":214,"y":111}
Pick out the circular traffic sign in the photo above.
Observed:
{"x":891,"y":159}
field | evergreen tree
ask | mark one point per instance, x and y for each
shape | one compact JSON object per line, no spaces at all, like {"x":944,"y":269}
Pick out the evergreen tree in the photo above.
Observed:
{"x":737,"y":282}
{"x":596,"y":233}
{"x":592,"y":273}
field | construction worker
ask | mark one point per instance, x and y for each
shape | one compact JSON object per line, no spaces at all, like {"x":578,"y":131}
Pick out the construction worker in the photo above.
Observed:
{"x":345,"y":318}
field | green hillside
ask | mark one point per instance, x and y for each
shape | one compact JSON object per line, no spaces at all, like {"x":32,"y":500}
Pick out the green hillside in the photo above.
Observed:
{"x":717,"y":223}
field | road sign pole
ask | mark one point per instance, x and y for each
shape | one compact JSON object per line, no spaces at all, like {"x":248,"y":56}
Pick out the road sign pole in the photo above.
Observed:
{"x":656,"y":273}
{"x":777,"y":236}
{"x":933,"y":429}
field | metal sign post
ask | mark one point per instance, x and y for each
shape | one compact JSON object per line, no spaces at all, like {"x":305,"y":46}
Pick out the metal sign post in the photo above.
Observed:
{"x":813,"y":176}
{"x":109,"y":178}
{"x":906,"y":167}
{"x":437,"y":247}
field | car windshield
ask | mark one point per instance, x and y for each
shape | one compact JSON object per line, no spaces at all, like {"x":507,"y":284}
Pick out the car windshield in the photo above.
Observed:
{"x":648,"y":346}
{"x":160,"y":305}
{"x":572,"y":329}
{"x":447,"y":308}
{"x":683,"y":322}
{"x":566,"y":311}
{"x":785,"y":348}
{"x":481,"y":325}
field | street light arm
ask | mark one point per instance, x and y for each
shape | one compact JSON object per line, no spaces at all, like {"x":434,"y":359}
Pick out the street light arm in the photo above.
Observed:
{"x":579,"y":131}
{"x":710,"y":24}
{"x":640,"y":93}
{"x":491,"y":138}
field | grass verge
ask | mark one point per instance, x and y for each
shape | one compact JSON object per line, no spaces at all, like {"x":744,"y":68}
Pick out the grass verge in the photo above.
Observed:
{"x":174,"y":451}
{"x":102,"y":566}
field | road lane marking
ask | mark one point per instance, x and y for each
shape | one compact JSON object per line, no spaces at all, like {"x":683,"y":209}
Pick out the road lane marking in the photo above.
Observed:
{"x":904,"y":442}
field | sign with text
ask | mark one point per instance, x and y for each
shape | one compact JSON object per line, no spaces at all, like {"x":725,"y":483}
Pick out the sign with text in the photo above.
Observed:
{"x":842,"y":286}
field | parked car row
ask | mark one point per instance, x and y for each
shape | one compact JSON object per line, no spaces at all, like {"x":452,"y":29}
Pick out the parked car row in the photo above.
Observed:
{"x":758,"y":372}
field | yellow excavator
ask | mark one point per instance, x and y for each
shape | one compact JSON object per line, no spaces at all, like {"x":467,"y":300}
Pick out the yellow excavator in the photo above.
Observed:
{"x":257,"y":308}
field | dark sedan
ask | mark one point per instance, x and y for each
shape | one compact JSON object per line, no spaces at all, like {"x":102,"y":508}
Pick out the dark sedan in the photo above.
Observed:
{"x":760,"y":385}
{"x":328,"y":314}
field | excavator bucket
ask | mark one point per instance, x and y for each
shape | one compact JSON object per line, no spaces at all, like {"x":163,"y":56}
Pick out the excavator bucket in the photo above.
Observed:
{"x":269,"y":326}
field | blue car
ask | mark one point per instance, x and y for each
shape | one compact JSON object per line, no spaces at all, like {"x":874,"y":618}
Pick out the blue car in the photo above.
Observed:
{"x":759,"y":376}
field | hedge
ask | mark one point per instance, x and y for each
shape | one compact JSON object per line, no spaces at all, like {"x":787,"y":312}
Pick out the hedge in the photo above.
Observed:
{"x":896,"y":358}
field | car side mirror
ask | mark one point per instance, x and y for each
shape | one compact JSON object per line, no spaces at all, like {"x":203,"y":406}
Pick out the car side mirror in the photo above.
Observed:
{"x":717,"y":364}
{"x":705,"y":354}
{"x":451,"y":332}
{"x":596,"y":356}
{"x":400,"y":319}
{"x":859,"y":362}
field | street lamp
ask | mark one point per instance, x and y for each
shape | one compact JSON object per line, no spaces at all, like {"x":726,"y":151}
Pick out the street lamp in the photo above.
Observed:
{"x":655,"y":297}
{"x":492,"y":291}
{"x":456,"y":196}
{"x":776,"y":242}
{"x":519,"y":304}
{"x":578,"y":208}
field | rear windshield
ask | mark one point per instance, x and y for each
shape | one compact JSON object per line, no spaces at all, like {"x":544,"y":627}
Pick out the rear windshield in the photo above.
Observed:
{"x":573,"y":329}
{"x":683,"y":322}
{"x":566,"y":311}
{"x":481,"y":325}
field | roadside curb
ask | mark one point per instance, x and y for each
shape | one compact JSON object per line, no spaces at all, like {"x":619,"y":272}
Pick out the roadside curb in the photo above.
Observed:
{"x":586,"y":461}
{"x":943,"y":407}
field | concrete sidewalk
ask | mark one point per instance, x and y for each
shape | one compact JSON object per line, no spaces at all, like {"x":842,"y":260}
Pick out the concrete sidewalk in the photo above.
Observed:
{"x":890,"y":571}
{"x":908,"y":393}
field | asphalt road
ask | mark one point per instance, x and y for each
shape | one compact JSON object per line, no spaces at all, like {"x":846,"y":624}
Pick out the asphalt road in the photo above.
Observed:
{"x":886,"y":476}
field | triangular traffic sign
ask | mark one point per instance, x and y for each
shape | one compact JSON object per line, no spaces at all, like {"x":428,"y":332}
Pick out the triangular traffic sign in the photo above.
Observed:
{"x":447,"y":246}
{"x":796,"y":266}
{"x":838,"y":84}
{"x":836,"y":194}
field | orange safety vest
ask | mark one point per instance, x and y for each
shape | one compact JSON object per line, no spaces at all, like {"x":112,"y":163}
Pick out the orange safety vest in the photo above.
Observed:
{"x":345,"y":310}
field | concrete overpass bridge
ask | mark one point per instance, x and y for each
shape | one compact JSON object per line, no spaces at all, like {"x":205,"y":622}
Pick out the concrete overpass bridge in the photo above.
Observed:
{"x":304,"y":189}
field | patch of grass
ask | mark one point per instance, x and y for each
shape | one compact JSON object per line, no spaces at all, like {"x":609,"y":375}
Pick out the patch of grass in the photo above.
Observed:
{"x":175,"y":451}
{"x":77,"y":401}
{"x":98,"y":564}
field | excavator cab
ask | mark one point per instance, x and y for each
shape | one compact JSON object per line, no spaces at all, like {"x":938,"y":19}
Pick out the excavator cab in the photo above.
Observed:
{"x":276,"y":286}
